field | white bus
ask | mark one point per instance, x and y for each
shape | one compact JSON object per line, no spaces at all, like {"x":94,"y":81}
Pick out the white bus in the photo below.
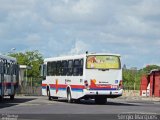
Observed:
{"x":9,"y":76}
{"x":95,"y":76}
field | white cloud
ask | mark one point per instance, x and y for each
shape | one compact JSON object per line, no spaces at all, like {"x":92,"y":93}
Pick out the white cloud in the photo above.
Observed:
{"x":80,"y":47}
{"x":33,"y":39}
{"x":147,"y":8}
{"x":83,"y":7}
{"x":57,"y":27}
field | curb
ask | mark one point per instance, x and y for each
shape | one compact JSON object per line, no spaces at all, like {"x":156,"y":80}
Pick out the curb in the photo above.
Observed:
{"x":139,"y":98}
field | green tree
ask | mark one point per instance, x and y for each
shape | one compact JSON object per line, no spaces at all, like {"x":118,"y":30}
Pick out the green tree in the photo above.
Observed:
{"x":148,"y":68}
{"x":129,"y":78}
{"x":132,"y":78}
{"x":32,"y":59}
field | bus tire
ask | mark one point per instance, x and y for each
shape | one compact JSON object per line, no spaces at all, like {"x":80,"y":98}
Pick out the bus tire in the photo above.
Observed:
{"x":100,"y":100}
{"x":54,"y":98}
{"x":69,"y":97}
{"x":1,"y":98}
{"x":11,"y":97}
{"x":77,"y":101}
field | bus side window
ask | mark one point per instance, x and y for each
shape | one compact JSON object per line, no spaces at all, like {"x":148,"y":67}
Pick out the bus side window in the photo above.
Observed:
{"x":59,"y":67}
{"x":12,"y":69}
{"x":49,"y":69}
{"x":1,"y":68}
{"x":70,"y":68}
{"x":81,"y":67}
{"x":54,"y":68}
{"x":76,"y":67}
{"x":64,"y":67}
{"x":8,"y":69}
{"x":4,"y":66}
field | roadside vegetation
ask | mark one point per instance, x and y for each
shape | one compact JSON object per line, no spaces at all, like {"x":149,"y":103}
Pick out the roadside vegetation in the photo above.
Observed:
{"x":33,"y":59}
{"x":132,"y":77}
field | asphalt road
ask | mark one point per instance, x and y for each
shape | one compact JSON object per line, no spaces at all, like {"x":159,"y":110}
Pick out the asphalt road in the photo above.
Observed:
{"x":27,"y":106}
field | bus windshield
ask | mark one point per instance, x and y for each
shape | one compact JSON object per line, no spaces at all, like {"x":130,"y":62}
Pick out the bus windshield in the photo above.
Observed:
{"x":103,"y":62}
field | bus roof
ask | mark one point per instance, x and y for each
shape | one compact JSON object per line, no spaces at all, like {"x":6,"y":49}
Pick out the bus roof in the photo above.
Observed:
{"x":8,"y":58}
{"x":77,"y":56}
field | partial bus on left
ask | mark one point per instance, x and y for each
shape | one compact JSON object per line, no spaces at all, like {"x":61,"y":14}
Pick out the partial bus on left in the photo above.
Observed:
{"x":9,"y":76}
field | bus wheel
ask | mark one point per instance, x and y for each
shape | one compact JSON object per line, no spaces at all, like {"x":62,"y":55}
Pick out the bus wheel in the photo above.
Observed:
{"x":69,"y":98}
{"x":12,"y":97}
{"x":1,"y":98}
{"x":100,"y":100}
{"x":77,"y":100}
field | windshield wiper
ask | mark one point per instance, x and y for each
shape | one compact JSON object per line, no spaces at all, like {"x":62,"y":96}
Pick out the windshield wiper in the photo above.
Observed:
{"x":104,"y":69}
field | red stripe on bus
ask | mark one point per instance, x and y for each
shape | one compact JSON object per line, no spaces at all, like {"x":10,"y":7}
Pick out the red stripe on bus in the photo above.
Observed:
{"x":78,"y":86}
{"x":64,"y":86}
{"x":9,"y":83}
{"x":44,"y":85}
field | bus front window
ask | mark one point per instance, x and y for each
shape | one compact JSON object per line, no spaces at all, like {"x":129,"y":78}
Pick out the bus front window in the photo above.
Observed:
{"x":103,"y":62}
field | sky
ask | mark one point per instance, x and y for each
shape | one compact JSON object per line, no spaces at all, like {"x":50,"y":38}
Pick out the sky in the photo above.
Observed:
{"x":130,"y":28}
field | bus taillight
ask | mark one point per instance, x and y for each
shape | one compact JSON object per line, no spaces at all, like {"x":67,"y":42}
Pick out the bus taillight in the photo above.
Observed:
{"x":120,"y":84}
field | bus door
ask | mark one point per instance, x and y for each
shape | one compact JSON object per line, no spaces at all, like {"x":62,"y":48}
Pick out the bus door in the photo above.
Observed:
{"x":1,"y":79}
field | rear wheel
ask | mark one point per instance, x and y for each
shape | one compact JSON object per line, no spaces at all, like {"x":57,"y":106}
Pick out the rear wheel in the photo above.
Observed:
{"x":12,"y":97}
{"x":54,"y":98}
{"x":77,"y":100}
{"x":100,"y":100}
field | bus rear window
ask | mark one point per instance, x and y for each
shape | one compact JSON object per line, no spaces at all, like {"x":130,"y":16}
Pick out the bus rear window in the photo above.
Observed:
{"x":103,"y":62}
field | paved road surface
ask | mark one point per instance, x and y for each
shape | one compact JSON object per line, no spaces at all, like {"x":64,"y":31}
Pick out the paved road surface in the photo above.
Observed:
{"x":40,"y":105}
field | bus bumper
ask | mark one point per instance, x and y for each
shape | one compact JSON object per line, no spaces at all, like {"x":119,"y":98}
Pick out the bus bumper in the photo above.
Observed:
{"x":108,"y":93}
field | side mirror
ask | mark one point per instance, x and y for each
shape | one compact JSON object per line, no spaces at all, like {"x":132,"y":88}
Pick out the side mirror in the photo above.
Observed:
{"x":43,"y":70}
